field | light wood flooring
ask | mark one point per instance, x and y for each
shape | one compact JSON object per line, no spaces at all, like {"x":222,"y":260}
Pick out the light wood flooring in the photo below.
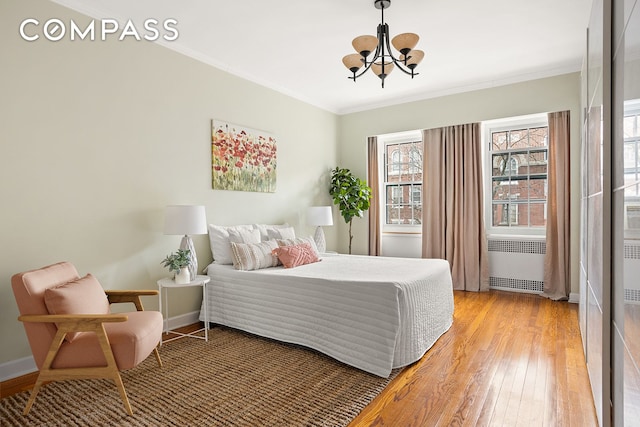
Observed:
{"x":508,"y":360}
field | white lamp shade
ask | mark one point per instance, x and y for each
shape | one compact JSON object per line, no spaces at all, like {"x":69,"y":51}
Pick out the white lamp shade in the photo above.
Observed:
{"x":319,"y":215}
{"x":185,"y":220}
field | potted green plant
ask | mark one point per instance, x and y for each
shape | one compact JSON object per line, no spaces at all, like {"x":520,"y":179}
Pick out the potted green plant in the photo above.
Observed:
{"x":179,"y":262}
{"x":351,"y":194}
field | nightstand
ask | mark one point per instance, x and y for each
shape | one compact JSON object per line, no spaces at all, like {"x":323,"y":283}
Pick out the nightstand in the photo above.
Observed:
{"x":165,"y":283}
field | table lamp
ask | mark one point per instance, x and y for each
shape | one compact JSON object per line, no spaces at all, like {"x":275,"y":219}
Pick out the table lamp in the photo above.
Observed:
{"x":186,"y":220}
{"x":319,"y":216}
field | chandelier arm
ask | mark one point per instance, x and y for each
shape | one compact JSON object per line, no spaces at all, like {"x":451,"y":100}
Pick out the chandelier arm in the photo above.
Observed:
{"x":364,"y":70}
{"x":399,"y":63}
{"x":379,"y":50}
{"x":400,"y":66}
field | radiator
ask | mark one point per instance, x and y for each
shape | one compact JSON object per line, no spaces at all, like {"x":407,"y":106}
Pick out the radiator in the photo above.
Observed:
{"x":631,"y":272}
{"x":516,"y":264}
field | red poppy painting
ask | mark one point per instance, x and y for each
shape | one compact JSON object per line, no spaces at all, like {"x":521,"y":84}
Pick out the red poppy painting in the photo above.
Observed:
{"x":242,"y":159}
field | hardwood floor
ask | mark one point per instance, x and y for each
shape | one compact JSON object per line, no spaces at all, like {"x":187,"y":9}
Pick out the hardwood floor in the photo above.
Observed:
{"x":508,"y":360}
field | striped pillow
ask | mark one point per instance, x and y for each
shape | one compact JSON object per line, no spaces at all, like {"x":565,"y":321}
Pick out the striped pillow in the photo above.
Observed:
{"x":253,"y":256}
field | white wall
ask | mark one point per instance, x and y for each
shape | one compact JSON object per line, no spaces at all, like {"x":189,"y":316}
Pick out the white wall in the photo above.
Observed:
{"x":97,"y":137}
{"x":403,"y":245}
{"x":536,"y":96}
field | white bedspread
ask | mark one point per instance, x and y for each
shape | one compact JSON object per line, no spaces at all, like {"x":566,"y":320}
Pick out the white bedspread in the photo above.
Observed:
{"x":374,"y":313}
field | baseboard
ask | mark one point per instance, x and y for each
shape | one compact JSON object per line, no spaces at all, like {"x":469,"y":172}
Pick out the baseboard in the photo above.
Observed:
{"x":26,"y":365}
{"x":17,"y":368}
{"x":574,"y":297}
{"x":183,"y":320}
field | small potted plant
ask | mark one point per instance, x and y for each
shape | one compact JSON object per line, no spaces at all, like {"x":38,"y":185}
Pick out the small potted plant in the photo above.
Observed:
{"x":179,"y":262}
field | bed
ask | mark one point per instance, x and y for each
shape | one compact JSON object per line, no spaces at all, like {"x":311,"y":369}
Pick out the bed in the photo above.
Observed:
{"x":373,"y":313}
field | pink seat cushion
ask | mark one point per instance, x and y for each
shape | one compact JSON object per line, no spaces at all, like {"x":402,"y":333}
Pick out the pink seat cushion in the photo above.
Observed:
{"x":80,"y":296}
{"x":131,"y":342}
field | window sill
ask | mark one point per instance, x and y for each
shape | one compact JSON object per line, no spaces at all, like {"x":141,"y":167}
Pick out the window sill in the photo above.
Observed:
{"x":411,"y":233}
{"x":501,"y":236}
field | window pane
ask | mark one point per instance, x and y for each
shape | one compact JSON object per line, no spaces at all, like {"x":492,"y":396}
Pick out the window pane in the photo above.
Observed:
{"x":499,"y":164}
{"x":416,"y":194}
{"x":629,"y":156}
{"x":537,"y":214}
{"x":417,"y":214}
{"x":499,"y":141}
{"x":500,"y":190}
{"x":415,"y":161}
{"x":502,"y":213}
{"x":518,"y":138}
{"x":537,"y":162}
{"x":631,"y":127}
{"x":393,"y":215}
{"x":537,"y":189}
{"x":394,"y":194}
{"x":538,"y":137}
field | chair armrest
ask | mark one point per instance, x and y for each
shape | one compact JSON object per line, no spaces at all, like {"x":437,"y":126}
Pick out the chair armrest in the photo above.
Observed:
{"x":132,"y":296}
{"x":71,"y":318}
{"x":69,"y":323}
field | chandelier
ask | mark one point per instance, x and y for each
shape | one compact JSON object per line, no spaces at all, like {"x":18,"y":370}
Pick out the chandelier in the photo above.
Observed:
{"x":381,"y":49}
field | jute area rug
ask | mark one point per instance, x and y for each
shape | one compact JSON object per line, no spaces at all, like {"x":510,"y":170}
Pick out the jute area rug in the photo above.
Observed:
{"x":234,"y":379}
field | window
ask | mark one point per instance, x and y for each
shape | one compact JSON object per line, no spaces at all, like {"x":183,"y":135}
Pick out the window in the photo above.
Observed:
{"x":631,"y":129}
{"x":402,"y":183}
{"x":517,"y":174}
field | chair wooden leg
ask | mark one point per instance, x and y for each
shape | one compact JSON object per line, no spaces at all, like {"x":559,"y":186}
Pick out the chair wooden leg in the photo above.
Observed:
{"x":123,"y":393}
{"x":46,"y":366}
{"x":155,"y":352}
{"x":34,"y":393}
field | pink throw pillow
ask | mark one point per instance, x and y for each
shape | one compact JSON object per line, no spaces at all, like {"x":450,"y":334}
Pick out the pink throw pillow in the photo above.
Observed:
{"x":80,"y":296}
{"x":296,"y":255}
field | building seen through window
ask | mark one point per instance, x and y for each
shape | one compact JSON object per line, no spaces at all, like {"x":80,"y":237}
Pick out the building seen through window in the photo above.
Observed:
{"x":519,"y":158}
{"x":403,"y":183}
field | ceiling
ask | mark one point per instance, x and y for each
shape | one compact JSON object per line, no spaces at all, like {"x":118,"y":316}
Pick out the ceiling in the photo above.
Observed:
{"x":296,"y":47}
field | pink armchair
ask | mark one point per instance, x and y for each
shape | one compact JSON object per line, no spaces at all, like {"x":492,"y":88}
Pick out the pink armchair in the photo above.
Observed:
{"x":72,"y":333}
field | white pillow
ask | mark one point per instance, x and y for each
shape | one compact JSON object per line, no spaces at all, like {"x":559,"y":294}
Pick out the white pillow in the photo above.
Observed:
{"x":253,"y":256}
{"x":281,"y":233}
{"x":220,"y":242}
{"x":244,"y":236}
{"x":264,"y":229}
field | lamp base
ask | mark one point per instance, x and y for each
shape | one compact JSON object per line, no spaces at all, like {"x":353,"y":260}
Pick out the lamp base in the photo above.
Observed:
{"x":318,"y":237}
{"x":187,"y":243}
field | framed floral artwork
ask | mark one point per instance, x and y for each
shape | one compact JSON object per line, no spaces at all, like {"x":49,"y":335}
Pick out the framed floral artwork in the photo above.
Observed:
{"x":242,"y":159}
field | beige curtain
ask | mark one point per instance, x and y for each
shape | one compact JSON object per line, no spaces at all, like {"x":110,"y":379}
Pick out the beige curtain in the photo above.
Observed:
{"x":373,"y":181}
{"x":557,"y":280}
{"x":453,"y":224}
